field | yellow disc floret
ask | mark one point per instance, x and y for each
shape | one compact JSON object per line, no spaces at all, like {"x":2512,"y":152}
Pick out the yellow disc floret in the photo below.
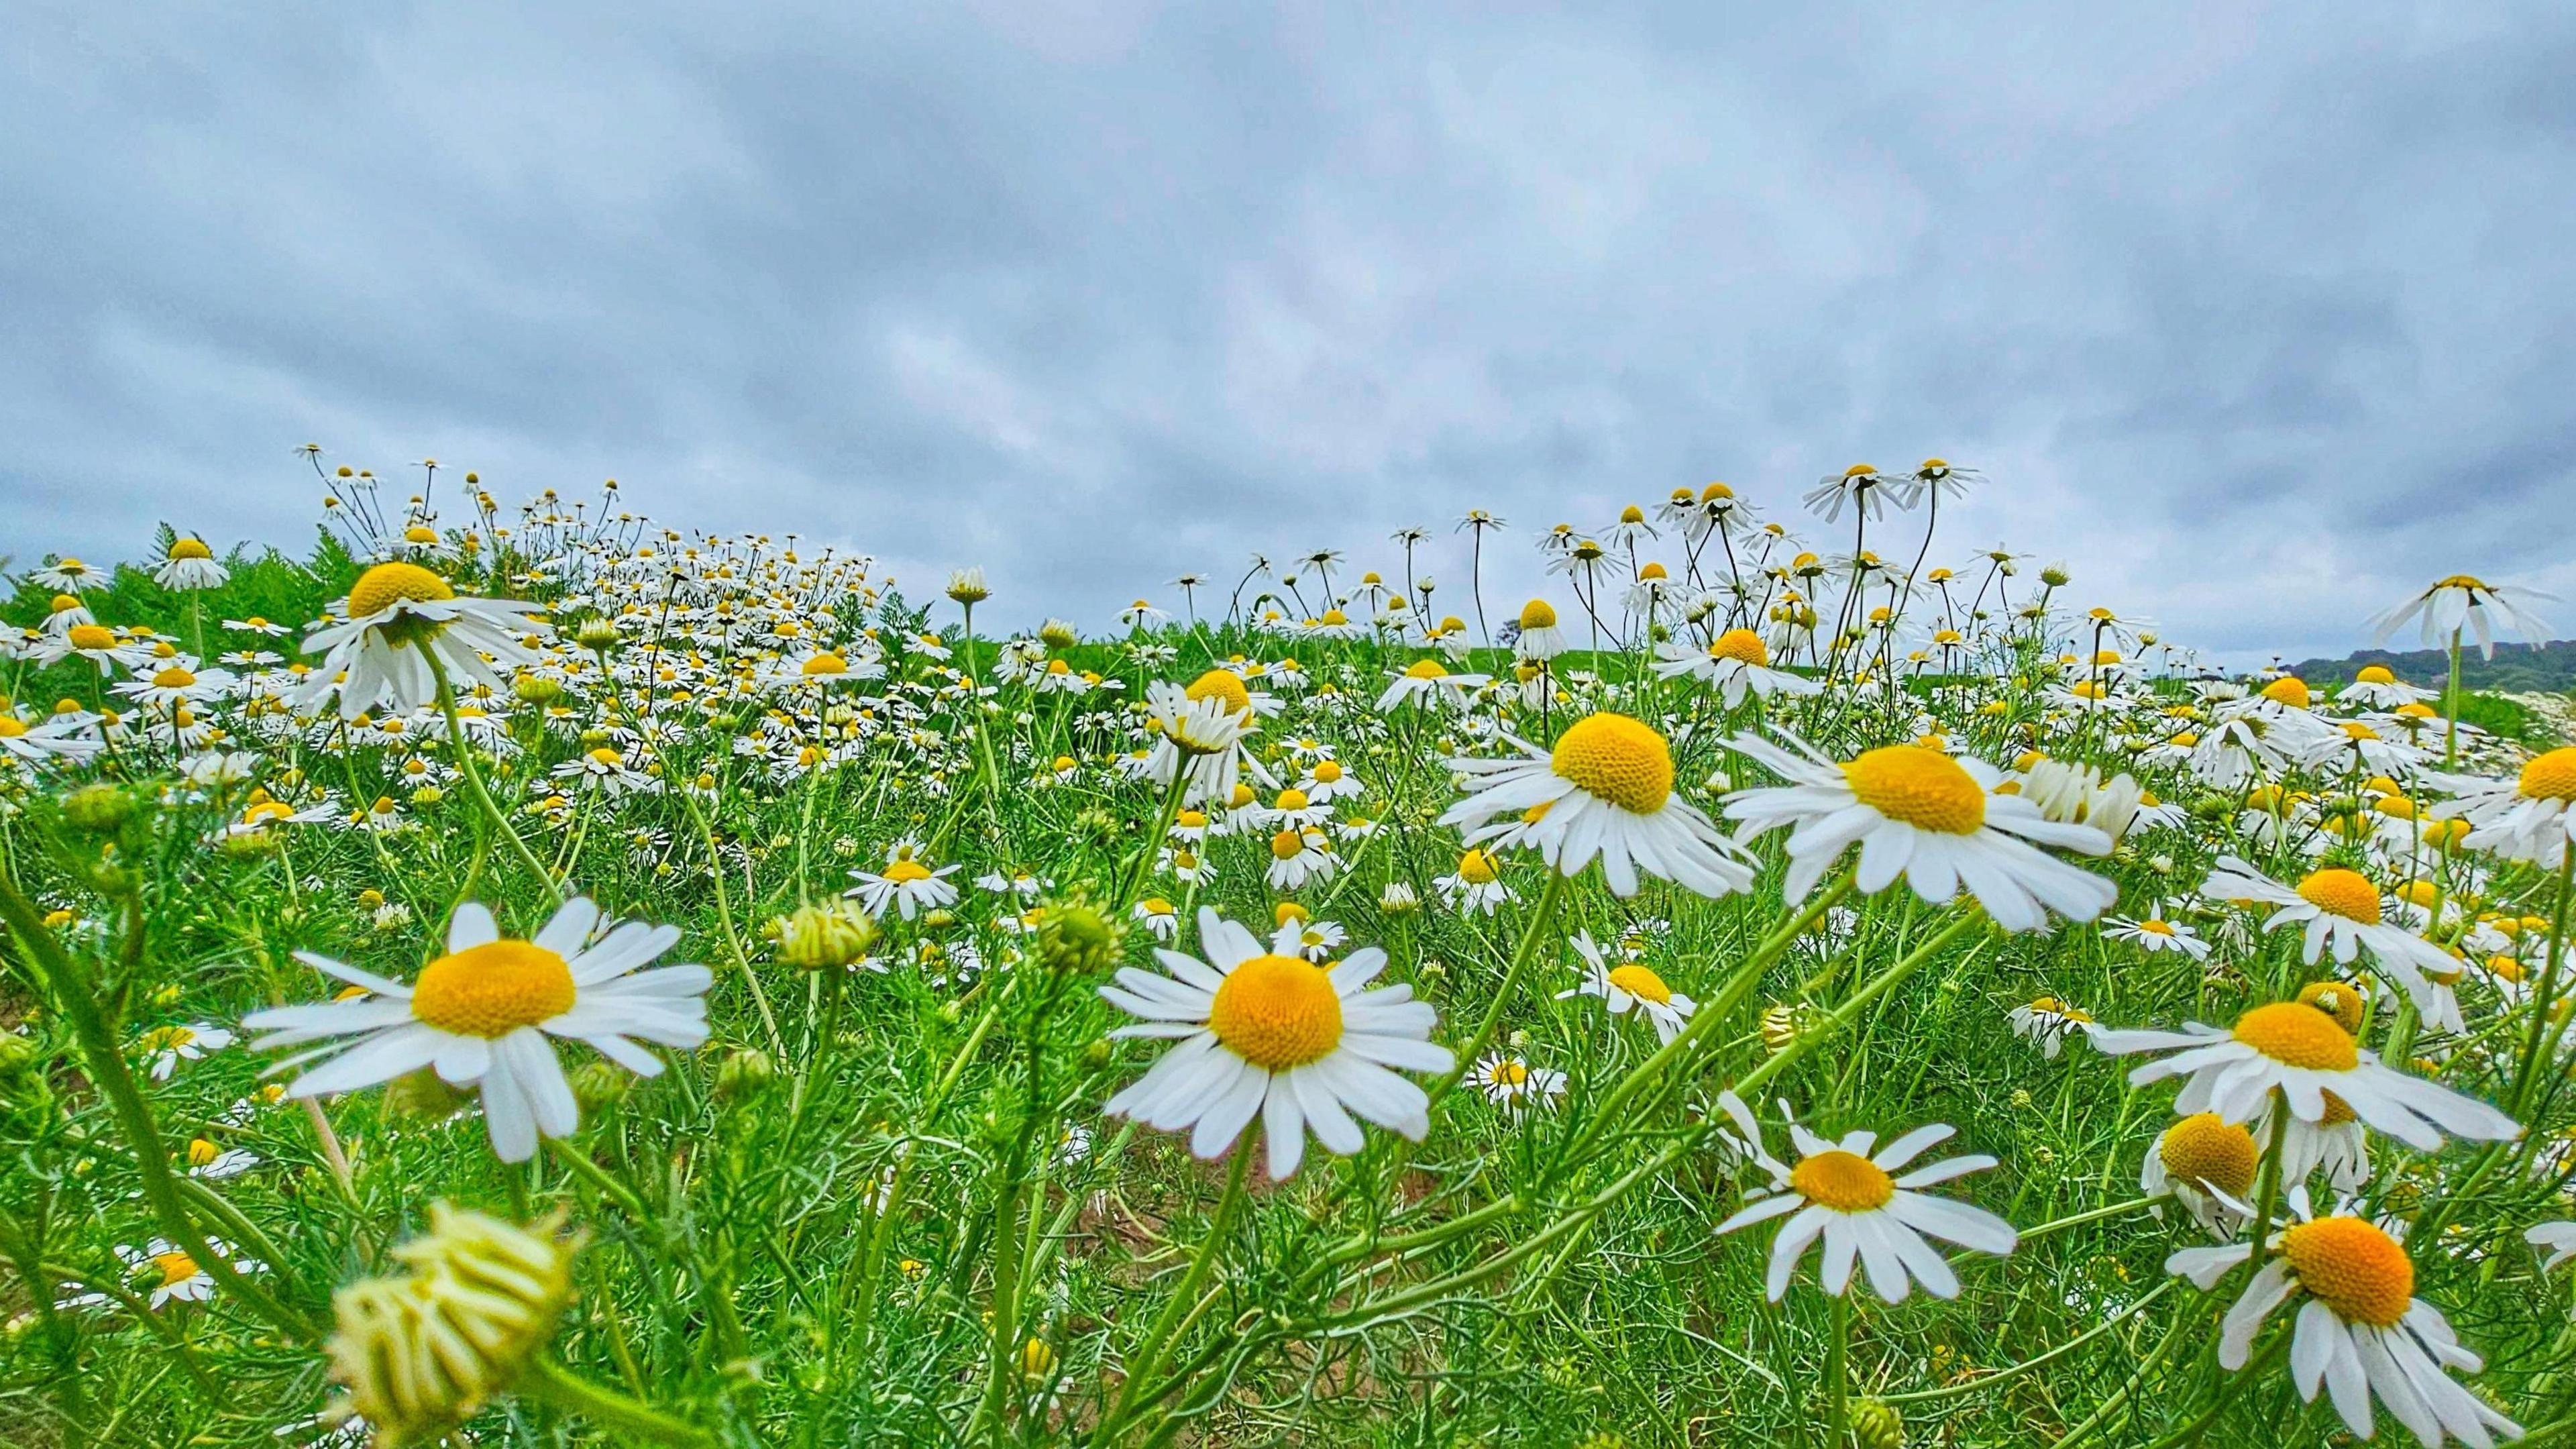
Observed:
{"x":1922,"y":788}
{"x":493,"y":989}
{"x":2203,"y":1148}
{"x":1742,"y":645}
{"x":2340,"y":892}
{"x":1642,"y":983}
{"x":1617,"y":759}
{"x":90,"y":636}
{"x":1277,"y":1012}
{"x":2298,"y":1036}
{"x":2374,"y":674}
{"x":2550,"y":775}
{"x":385,"y":585}
{"x":1223,"y":685}
{"x":2353,"y":1267}
{"x":2289,"y":689}
{"x":1426,"y":669}
{"x":191,"y":548}
{"x":2337,"y":999}
{"x":1843,"y":1181}
{"x":1478,"y":867}
{"x":1537,"y":614}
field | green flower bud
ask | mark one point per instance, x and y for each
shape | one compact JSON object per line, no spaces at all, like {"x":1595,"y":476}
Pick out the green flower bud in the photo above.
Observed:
{"x":100,"y":809}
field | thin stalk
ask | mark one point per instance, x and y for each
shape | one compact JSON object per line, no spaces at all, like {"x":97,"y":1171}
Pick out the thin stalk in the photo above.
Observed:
{"x":1158,"y":1340}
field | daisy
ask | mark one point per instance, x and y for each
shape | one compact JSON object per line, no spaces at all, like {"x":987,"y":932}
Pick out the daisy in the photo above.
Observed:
{"x":1539,"y":638}
{"x":98,"y":644}
{"x":2559,"y":1238}
{"x":374,"y":652}
{"x":908,"y":885}
{"x":1851,"y":1198}
{"x":61,"y":736}
{"x":2304,"y":1054}
{"x":1919,"y":813}
{"x":2341,"y":908}
{"x":2207,"y":1165}
{"x":1477,"y":887}
{"x":1426,"y":683}
{"x":170,"y":1045}
{"x":2461,"y":602}
{"x":1605,"y":790}
{"x":2362,"y":1332}
{"x":174,"y":1276}
{"x":2154,"y":934}
{"x":482,"y":1013}
{"x":190,"y":565}
{"x":1263,"y":1033}
{"x":66,"y":575}
{"x":1514,"y":1085}
{"x":605,"y":770}
{"x":214,"y":1163}
{"x":1199,"y":731}
{"x":2048,"y":1021}
{"x":1300,"y":854}
{"x":1734,"y":663}
{"x":2528,"y":818}
{"x":1865,"y":488}
{"x":1156,"y":915}
{"x":1629,"y":986}
{"x":2376,"y":686}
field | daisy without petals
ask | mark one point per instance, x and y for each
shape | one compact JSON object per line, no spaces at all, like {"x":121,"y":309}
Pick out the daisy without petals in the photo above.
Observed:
{"x":1853,"y":1200}
{"x":1606,"y":790}
{"x":1918,"y":813}
{"x":1262,"y":1032}
{"x":481,"y":1014}
{"x":393,"y":613}
{"x":2361,"y":1333}
{"x":2307,"y":1056}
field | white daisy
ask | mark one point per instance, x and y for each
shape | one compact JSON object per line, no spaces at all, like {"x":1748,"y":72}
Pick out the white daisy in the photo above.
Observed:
{"x":2207,"y":1165}
{"x":2526,"y":818}
{"x":1852,"y":1199}
{"x":2154,"y":934}
{"x":1514,"y":1085}
{"x":2463,"y":603}
{"x":1919,"y":813}
{"x":482,"y":1013}
{"x":1259,"y":1033}
{"x":190,"y":565}
{"x":2048,"y":1021}
{"x":1734,"y":663}
{"x":906,"y":884}
{"x":1629,"y":986}
{"x":170,"y":1045}
{"x":1606,"y":790}
{"x":1476,"y":888}
{"x":2558,"y":1238}
{"x":374,"y":652}
{"x":2304,"y":1054}
{"x":1425,"y":683}
{"x":2362,"y":1333}
{"x":2343,"y":909}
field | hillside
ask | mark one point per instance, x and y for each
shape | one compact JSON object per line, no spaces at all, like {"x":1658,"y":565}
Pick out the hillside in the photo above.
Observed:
{"x":2522,"y":667}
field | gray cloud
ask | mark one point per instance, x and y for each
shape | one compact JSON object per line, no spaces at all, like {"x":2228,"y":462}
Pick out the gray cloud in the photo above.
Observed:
{"x":2259,"y":315}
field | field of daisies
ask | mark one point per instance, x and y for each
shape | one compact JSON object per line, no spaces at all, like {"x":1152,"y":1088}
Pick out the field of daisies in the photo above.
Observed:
{"x":528,"y":976}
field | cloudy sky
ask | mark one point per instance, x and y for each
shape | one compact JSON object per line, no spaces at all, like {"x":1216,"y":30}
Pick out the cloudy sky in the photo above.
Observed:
{"x":2259,"y":315}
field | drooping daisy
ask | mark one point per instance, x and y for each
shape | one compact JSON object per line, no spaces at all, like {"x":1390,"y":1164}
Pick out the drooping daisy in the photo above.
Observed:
{"x":2207,"y":1165}
{"x":1540,"y":638}
{"x":2048,"y":1021}
{"x":2303,"y":1054}
{"x":1866,"y":489}
{"x":2530,"y":817}
{"x":169,"y":1273}
{"x":1301,"y":1046}
{"x":1606,"y":790}
{"x":481,"y":1015}
{"x":1629,"y":986}
{"x":2376,"y":686}
{"x":1300,"y":854}
{"x":907,"y":884}
{"x":1157,"y":916}
{"x":394,"y":612}
{"x":2362,"y":1332}
{"x":1426,"y":683}
{"x":1853,"y":1200}
{"x":190,"y":565}
{"x":1924,"y":815}
{"x":2462,"y":603}
{"x":1735,"y":662}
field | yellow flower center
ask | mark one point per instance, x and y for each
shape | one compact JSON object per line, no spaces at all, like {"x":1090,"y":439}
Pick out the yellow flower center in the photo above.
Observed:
{"x":1537,"y":614}
{"x":2550,"y":776}
{"x":2465,"y":581}
{"x":1293,"y":799}
{"x":1641,"y":983}
{"x":1277,"y":1012}
{"x":173,"y":677}
{"x":2337,"y":1000}
{"x":2340,"y":892}
{"x":2289,"y":689}
{"x":2298,"y":1036}
{"x":11,"y":727}
{"x":386,"y":585}
{"x":826,"y":662}
{"x":1327,"y":772}
{"x":1510,"y":1073}
{"x":1741,"y":644}
{"x":1477,"y":867}
{"x":1859,"y":470}
{"x":2203,"y":1148}
{"x":2156,"y":928}
{"x":1617,"y":759}
{"x":1286,"y":845}
{"x":191,"y":548}
{"x":1922,"y":788}
{"x":91,"y":636}
{"x":2375,"y":674}
{"x":2353,"y":1268}
{"x":1426,"y":669}
{"x":175,"y":1268}
{"x":1223,"y":685}
{"x":493,"y":989}
{"x":1844,"y":1181}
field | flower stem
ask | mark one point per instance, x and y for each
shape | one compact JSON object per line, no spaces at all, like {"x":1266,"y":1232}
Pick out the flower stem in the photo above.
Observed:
{"x":1540,"y":918}
{"x":1150,"y":1354}
{"x":464,"y":752}
{"x":628,"y":1419}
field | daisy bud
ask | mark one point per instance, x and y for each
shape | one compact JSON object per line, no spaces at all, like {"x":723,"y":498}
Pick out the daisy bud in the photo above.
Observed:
{"x":823,"y":937}
{"x":744,"y":1072}
{"x":100,"y":809}
{"x":1875,"y":1424}
{"x":536,"y":688}
{"x":421,"y":1094}
{"x":597,"y":635}
{"x":1076,"y":939}
{"x":420,"y":1352}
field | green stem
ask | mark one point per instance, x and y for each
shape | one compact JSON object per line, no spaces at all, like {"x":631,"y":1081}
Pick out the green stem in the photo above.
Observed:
{"x":628,"y":1419}
{"x":1150,"y":1354}
{"x":463,"y":750}
{"x":1539,"y":920}
{"x":1838,"y":1372}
